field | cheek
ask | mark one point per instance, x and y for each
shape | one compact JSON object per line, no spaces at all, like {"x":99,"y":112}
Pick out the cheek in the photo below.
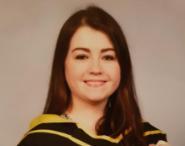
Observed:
{"x":74,"y":71}
{"x":117,"y":77}
{"x":114,"y":73}
{"x":117,"y":74}
{"x":70,"y":73}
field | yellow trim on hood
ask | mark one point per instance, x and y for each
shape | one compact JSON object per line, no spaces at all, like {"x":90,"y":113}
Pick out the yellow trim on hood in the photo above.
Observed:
{"x":53,"y":118}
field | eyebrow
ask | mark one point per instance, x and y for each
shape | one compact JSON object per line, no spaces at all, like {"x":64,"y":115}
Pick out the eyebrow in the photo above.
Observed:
{"x":88,"y":50}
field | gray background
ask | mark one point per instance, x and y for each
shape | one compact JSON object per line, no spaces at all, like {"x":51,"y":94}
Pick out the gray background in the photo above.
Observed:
{"x":155,"y":30}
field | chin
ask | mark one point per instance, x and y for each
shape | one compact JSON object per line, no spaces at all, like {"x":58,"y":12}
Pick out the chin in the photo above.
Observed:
{"x":96,"y":100}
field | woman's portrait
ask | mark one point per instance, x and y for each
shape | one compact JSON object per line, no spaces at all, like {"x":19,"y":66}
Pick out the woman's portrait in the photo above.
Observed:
{"x":91,"y":90}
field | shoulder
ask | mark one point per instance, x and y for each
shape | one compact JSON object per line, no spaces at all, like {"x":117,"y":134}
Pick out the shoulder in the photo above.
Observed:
{"x":46,"y":118}
{"x":47,"y":130}
{"x":152,"y":134}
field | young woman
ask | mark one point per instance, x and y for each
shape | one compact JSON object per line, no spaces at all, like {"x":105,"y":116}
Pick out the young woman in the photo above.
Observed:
{"x":91,"y":99}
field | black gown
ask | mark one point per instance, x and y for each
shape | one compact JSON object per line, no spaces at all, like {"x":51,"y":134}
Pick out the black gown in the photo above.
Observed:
{"x":54,"y":130}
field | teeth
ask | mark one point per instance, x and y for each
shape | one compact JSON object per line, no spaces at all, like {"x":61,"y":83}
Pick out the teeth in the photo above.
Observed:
{"x":95,"y":83}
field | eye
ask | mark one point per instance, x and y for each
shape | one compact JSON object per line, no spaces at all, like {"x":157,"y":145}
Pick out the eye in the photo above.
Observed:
{"x":109,"y":57}
{"x":81,"y":57}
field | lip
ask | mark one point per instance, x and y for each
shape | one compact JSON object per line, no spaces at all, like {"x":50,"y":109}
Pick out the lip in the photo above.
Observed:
{"x":95,"y":83}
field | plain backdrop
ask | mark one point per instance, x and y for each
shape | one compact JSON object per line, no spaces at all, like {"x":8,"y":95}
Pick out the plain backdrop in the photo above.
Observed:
{"x":155,"y":30}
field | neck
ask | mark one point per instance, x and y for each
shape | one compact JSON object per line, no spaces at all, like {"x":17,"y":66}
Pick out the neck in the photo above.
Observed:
{"x":86,"y":114}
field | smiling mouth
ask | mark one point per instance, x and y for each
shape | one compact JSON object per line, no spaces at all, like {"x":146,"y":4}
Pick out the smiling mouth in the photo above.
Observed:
{"x":95,"y":83}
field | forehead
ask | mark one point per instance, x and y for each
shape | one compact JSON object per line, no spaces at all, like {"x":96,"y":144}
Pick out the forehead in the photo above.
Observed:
{"x":88,"y":37}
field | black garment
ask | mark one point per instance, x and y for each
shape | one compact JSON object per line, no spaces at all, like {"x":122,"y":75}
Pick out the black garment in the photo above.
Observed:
{"x":54,"y":130}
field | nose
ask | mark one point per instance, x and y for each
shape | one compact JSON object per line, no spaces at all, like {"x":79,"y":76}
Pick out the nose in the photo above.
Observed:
{"x":95,"y":68}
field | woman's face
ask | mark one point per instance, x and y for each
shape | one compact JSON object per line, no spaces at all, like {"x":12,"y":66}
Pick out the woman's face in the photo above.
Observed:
{"x":92,"y":70}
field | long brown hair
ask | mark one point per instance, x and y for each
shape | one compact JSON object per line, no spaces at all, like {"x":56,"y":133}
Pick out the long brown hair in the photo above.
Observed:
{"x":121,"y":112}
